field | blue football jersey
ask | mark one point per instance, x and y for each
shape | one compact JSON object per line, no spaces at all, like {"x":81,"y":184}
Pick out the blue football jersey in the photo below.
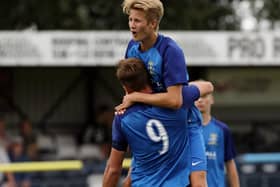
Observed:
{"x":166,"y":65}
{"x":158,"y":140}
{"x":219,"y":149}
{"x":165,"y":62}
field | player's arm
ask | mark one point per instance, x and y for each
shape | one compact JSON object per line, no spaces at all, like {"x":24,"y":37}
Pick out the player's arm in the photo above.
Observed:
{"x":195,"y":89}
{"x":174,"y":76}
{"x":170,"y":99}
{"x":229,"y":155}
{"x":113,"y":169}
{"x":205,"y":87}
{"x":127,"y":180}
{"x":119,"y":146}
{"x":232,"y":173}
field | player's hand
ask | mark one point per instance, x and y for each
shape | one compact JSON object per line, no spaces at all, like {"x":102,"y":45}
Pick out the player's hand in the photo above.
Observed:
{"x":121,"y":111}
{"x":126,"y":102}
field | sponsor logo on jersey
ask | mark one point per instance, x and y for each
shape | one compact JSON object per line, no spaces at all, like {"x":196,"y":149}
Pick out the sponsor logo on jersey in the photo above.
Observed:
{"x":213,"y":139}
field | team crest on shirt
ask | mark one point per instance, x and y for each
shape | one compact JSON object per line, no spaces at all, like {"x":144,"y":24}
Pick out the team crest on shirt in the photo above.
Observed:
{"x":213,"y":139}
{"x":155,"y":78}
{"x":151,"y":68}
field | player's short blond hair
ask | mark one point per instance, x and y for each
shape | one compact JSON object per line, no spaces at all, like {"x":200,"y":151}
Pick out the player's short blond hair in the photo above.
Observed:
{"x":153,"y":8}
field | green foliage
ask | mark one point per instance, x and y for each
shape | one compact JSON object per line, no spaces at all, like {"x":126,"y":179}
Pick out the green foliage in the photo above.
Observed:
{"x":199,"y":15}
{"x":62,"y":14}
{"x":270,"y":11}
{"x":272,"y":8}
{"x":107,"y":15}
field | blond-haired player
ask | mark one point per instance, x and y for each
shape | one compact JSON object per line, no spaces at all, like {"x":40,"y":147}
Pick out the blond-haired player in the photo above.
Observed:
{"x":165,"y":62}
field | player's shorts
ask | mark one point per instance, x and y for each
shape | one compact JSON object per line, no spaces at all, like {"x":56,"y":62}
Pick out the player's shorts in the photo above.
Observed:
{"x":199,"y":160}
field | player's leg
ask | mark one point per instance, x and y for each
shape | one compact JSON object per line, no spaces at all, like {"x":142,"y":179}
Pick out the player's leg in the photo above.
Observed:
{"x":198,"y":176}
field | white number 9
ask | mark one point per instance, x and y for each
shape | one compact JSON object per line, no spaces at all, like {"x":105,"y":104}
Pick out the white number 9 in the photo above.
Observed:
{"x":162,"y":134}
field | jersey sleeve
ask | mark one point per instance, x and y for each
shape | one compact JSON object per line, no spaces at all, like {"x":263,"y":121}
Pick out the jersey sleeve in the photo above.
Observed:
{"x":190,"y":94}
{"x":118,"y":138}
{"x":129,"y":45}
{"x":174,"y":67}
{"x":229,"y":148}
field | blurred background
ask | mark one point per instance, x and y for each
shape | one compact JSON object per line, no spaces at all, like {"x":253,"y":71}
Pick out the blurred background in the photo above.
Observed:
{"x":58,"y":87}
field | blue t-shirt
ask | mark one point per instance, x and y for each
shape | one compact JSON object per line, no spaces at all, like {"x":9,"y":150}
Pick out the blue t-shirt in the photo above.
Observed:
{"x":166,"y":65}
{"x":219,"y":149}
{"x":158,"y":139}
{"x":165,"y":62}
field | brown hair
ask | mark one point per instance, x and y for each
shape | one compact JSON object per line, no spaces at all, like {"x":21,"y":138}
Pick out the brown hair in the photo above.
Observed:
{"x":132,"y":74}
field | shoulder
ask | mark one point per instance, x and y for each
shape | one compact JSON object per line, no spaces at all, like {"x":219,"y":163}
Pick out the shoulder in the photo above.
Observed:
{"x":132,"y":43}
{"x":166,"y":113}
{"x":134,"y":109}
{"x":132,"y":49}
{"x":170,"y":49}
{"x":220,"y":124}
{"x":169,"y":42}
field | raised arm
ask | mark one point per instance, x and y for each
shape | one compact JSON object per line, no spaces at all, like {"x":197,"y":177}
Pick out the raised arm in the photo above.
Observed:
{"x":205,"y":87}
{"x":170,"y":99}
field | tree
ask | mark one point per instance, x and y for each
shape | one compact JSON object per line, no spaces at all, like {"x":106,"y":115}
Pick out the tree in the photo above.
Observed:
{"x":199,"y":15}
{"x":104,"y":15}
{"x":270,"y":11}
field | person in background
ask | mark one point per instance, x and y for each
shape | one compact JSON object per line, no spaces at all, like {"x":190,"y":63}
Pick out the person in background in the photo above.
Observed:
{"x":26,"y":132}
{"x":220,"y":150}
{"x":4,"y":159}
{"x":5,"y":138}
{"x":17,"y":154}
{"x":29,"y":138}
{"x":5,"y":141}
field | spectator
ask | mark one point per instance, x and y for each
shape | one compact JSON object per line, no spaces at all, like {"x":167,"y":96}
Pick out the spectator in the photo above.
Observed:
{"x":4,"y":159}
{"x":17,"y":154}
{"x":29,"y":138}
{"x":5,"y":138}
{"x":26,"y":132}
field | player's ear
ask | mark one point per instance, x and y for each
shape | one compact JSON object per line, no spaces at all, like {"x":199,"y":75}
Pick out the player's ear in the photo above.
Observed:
{"x":154,"y":24}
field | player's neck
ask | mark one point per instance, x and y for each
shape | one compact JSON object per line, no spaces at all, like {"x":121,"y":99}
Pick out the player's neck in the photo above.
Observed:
{"x":206,"y":118}
{"x":149,"y":42}
{"x":147,"y":90}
